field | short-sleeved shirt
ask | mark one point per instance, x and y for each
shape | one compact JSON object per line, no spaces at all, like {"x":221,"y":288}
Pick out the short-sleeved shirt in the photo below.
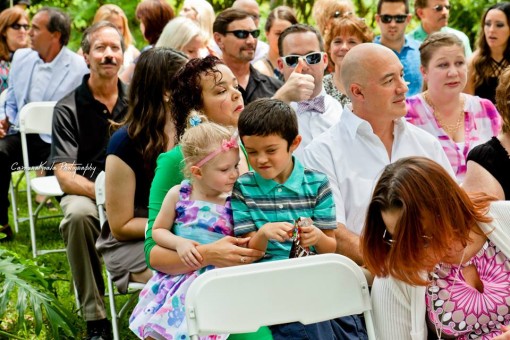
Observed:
{"x":494,"y":158}
{"x":122,"y":146}
{"x":257,"y":201}
{"x":81,"y":129}
{"x":409,"y":56}
{"x":420,"y":35}
{"x":259,"y":86}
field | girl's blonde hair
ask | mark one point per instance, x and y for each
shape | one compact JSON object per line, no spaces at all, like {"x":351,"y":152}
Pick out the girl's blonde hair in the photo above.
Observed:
{"x":106,"y":12}
{"x":199,"y":141}
{"x":179,"y":32}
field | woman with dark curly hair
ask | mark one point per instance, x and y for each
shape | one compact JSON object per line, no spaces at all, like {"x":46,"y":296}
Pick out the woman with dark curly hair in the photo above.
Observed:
{"x":14,"y":25}
{"x":150,"y":128}
{"x":208,"y":87}
{"x":492,"y":56}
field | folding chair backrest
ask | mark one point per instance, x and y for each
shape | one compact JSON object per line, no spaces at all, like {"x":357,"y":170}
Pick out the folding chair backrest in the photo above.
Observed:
{"x":309,"y":289}
{"x":36,"y":117}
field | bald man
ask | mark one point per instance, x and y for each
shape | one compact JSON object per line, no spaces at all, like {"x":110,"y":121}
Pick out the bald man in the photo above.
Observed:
{"x":252,"y":7}
{"x":370,"y":135}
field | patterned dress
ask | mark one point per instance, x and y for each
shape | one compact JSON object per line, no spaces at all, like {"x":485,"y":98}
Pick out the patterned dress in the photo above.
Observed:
{"x":331,"y":89}
{"x":469,"y":313}
{"x":160,"y":311}
{"x":481,"y":122}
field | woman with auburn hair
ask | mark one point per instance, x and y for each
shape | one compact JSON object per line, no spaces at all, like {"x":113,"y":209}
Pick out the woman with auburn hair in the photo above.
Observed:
{"x":459,"y":121}
{"x":492,"y":56}
{"x":116,"y":16}
{"x":14,"y":26}
{"x":153,"y":16}
{"x":488,"y":164}
{"x":441,"y":258}
{"x":342,"y":34}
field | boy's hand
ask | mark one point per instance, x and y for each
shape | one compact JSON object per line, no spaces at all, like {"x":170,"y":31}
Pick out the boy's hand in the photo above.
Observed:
{"x":310,"y":235}
{"x":279,"y":231}
{"x":189,"y":254}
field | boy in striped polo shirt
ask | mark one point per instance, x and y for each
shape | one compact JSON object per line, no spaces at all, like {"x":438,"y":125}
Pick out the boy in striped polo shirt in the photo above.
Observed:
{"x":268,"y":201}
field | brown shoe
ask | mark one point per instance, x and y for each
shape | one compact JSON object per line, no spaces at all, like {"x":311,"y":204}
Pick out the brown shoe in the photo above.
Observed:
{"x":6,"y":229}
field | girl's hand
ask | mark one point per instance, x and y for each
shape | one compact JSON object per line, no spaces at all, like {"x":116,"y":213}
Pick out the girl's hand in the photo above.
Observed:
{"x":505,"y":333}
{"x":278,"y":231}
{"x":189,"y":254}
{"x":310,"y":235}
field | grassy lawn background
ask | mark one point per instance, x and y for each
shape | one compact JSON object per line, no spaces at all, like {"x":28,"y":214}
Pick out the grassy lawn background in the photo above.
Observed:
{"x":48,"y":237}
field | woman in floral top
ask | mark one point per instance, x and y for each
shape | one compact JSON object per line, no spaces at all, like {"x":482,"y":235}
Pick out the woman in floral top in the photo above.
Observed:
{"x":14,"y":25}
{"x":460,"y":121}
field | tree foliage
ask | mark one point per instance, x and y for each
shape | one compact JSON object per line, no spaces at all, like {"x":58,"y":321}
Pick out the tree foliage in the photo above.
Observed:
{"x":30,"y":288}
{"x":465,"y":15}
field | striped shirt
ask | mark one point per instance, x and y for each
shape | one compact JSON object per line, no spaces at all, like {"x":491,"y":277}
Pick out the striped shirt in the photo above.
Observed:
{"x":257,"y":201}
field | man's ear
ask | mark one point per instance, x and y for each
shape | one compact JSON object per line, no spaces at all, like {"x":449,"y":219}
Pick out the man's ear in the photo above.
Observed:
{"x":279,"y":63}
{"x":325,"y":60}
{"x":295,"y":143}
{"x":356,"y":90}
{"x":419,"y":12}
{"x":218,"y":38}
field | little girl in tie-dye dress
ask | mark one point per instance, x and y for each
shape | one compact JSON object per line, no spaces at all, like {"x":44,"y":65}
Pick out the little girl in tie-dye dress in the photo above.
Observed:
{"x":198,"y":212}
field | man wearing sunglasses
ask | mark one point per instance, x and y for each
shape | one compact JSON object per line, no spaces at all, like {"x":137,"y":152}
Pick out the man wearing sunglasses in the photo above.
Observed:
{"x":302,"y":58}
{"x":433,"y":15}
{"x":236,"y":35}
{"x":393,"y":17}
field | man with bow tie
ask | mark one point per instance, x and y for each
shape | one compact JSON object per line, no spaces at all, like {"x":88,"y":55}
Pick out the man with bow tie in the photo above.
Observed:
{"x":302,"y":63}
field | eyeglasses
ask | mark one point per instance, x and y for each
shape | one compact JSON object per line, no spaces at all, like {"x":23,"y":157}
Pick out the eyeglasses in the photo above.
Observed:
{"x":313,"y":58}
{"x":399,"y":18}
{"x":17,"y":27}
{"x":388,"y":239}
{"x":339,"y":14}
{"x":439,"y":8}
{"x":243,"y":34}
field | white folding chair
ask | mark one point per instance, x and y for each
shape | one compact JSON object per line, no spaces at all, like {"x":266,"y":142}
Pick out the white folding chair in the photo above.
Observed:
{"x":310,"y":289}
{"x":36,"y":118}
{"x":133,"y":287}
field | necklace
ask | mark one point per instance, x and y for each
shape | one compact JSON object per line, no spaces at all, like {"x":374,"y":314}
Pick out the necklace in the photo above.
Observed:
{"x":450,"y":129}
{"x":439,"y":331}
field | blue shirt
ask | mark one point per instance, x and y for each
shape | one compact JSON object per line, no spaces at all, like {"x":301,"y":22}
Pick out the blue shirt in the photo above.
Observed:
{"x":257,"y":201}
{"x":409,"y":56}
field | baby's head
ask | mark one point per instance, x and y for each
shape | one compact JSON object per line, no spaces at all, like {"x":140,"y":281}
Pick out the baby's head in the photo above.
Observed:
{"x":269,"y":131}
{"x":211,"y":153}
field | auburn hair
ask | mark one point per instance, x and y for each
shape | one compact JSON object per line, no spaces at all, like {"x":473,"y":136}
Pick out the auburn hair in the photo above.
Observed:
{"x":434,"y":212}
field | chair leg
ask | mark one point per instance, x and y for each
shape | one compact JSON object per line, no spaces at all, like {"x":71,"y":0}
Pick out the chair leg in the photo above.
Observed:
{"x":113,"y":309}
{"x":14,"y":206}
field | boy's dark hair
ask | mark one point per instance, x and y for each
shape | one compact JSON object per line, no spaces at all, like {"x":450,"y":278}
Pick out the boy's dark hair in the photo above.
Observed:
{"x":265,"y":116}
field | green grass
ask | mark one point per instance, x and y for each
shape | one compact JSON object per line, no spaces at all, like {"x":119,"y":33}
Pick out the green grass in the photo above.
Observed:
{"x":48,"y":237}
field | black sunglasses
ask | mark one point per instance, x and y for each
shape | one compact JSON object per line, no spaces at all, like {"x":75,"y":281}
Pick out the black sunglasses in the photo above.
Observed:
{"x":439,"y":8}
{"x":243,"y":34}
{"x":313,"y":58}
{"x":17,"y":27}
{"x":399,"y":18}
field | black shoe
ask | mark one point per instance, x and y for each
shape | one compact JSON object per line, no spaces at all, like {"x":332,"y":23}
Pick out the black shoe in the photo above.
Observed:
{"x":99,"y":330}
{"x":6,"y":229}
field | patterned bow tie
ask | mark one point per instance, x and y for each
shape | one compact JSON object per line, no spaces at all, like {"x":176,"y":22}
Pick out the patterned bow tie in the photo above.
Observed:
{"x":316,"y":104}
